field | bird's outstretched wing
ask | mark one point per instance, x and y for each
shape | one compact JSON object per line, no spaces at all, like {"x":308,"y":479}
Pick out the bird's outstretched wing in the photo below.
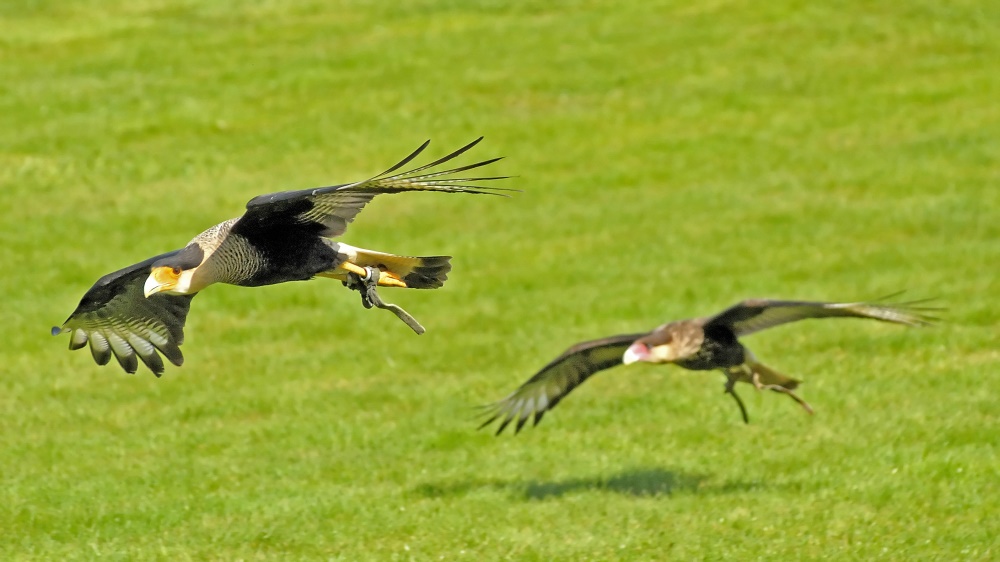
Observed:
{"x":117,"y":319}
{"x":543,"y":391}
{"x":754,"y":315}
{"x":328,"y":210}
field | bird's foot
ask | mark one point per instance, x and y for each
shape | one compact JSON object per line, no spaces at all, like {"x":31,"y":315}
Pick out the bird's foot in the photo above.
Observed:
{"x":367,"y":285}
{"x":730,"y":384}
{"x":384,"y":278}
{"x":778,"y":388}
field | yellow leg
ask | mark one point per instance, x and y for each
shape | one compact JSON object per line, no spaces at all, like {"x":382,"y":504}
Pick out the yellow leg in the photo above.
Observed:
{"x":385,"y":279}
{"x":353,"y":268}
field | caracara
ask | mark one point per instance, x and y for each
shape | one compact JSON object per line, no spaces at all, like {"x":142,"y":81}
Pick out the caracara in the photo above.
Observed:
{"x":284,"y":236}
{"x":698,"y":344}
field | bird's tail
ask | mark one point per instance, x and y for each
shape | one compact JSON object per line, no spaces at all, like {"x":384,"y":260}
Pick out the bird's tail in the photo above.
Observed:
{"x":429,"y":272}
{"x":768,"y":376}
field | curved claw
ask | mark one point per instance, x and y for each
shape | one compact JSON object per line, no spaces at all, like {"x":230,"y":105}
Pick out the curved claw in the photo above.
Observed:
{"x":739,"y":402}
{"x":730,"y":383}
{"x":367,"y":285}
{"x":786,"y":391}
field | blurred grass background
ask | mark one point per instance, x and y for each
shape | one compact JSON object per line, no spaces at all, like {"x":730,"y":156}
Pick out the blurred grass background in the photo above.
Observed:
{"x":674,"y":157}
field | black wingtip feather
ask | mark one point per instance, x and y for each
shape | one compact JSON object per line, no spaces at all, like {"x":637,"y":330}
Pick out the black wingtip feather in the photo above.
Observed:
{"x":455,"y":154}
{"x":100,"y":357}
{"x":889,"y":296}
{"x":913,"y":305}
{"x":442,"y":160}
{"x":498,"y":413}
{"x":503,"y":425}
{"x":128,"y":362}
{"x":486,"y":423}
{"x":520,"y":424}
{"x":153,"y":362}
{"x":406,"y":160}
{"x":468,"y":167}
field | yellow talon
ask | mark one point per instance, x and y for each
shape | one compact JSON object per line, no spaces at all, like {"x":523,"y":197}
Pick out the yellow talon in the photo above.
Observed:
{"x":385,"y":279}
{"x":353,"y":268}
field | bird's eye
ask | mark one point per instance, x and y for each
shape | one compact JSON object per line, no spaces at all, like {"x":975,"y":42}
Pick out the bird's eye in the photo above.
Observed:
{"x":176,"y":270}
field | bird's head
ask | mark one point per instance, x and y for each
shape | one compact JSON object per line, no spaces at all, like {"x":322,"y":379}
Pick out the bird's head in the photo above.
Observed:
{"x":658,"y":347}
{"x":174,"y":274}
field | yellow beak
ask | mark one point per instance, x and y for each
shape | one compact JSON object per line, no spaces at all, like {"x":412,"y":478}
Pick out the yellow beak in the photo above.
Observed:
{"x":151,"y":287}
{"x":636,"y":352}
{"x":160,"y":279}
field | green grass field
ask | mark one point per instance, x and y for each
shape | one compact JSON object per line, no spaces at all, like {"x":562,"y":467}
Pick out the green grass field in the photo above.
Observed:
{"x":673,"y":158}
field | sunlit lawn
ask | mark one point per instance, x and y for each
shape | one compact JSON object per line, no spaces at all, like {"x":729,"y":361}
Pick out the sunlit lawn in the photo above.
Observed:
{"x":673,"y":158}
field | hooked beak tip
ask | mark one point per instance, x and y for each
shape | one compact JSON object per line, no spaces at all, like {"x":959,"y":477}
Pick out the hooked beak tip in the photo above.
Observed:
{"x":151,"y":288}
{"x":635,"y":353}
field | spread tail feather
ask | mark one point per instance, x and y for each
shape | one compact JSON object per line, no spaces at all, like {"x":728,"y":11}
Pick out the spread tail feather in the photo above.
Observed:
{"x":428,"y":272}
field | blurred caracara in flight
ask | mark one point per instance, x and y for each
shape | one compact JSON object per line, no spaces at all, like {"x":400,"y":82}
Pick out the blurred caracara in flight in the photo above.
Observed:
{"x":284,"y":236}
{"x":699,"y":344}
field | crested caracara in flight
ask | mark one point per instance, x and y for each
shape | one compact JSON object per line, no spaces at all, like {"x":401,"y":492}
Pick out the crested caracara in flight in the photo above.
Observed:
{"x":698,"y":344}
{"x":285,"y":236}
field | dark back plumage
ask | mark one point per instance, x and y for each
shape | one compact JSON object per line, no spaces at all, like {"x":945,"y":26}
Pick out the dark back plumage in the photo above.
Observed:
{"x":719,"y":348}
{"x":187,"y":257}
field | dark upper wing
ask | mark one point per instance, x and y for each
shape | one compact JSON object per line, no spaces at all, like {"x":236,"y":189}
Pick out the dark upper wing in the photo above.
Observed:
{"x":117,"y":319}
{"x":543,"y":391}
{"x":329,"y":210}
{"x":754,"y":315}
